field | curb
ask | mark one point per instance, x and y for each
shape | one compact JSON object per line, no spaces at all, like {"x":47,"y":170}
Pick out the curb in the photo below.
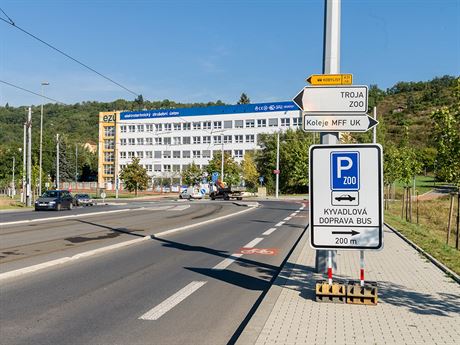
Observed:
{"x":38,"y":267}
{"x":437,"y":263}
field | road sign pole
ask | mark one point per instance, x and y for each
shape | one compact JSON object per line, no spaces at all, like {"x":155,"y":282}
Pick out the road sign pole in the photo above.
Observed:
{"x":331,"y":65}
{"x":375,"y":127}
{"x":277,"y":176}
{"x":361,"y":264}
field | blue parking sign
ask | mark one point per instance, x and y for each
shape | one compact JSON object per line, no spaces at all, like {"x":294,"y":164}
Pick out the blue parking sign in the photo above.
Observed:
{"x":345,"y":170}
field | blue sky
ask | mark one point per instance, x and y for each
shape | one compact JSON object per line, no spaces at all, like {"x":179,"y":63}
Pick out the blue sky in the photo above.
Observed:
{"x":200,"y":51}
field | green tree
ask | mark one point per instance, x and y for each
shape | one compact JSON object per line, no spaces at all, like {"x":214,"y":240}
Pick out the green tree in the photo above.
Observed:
{"x":249,"y":171}
{"x":192,"y":175}
{"x":232,"y":170}
{"x":134,"y":176}
{"x":244,"y":99}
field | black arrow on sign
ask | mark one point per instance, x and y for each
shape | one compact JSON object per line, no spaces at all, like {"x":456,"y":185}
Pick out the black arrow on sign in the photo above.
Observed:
{"x":298,"y":100}
{"x":352,"y":232}
{"x":372,"y":122}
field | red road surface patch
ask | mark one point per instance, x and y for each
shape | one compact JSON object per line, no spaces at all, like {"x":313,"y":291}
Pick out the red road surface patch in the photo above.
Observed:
{"x":260,"y":251}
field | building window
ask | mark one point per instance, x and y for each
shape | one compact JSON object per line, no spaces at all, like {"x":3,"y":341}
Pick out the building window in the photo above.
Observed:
{"x":207,"y":125}
{"x":196,"y":125}
{"x":149,"y":128}
{"x":285,"y":122}
{"x":157,"y":167}
{"x":122,"y":154}
{"x":140,"y":141}
{"x":261,"y":123}
{"x":158,"y":127}
{"x":130,"y":154}
{"x":166,"y":154}
{"x":108,"y":169}
{"x":140,"y":154}
{"x":272,"y":122}
{"x":177,"y":126}
{"x":123,"y":142}
{"x":185,"y":166}
{"x":186,"y":140}
{"x":166,"y":141}
{"x":167,"y":168}
{"x":217,"y":139}
{"x":108,"y":157}
{"x":109,"y":144}
{"x":197,"y":140}
{"x":238,"y":139}
{"x":157,"y":154}
{"x":148,"y":154}
{"x":228,"y":124}
{"x":186,"y":126}
{"x":238,"y":153}
{"x":297,"y":121}
{"x":196,"y":154}
{"x":176,"y":167}
{"x":176,"y":140}
{"x":158,"y":141}
{"x":185,"y":154}
{"x":206,"y":153}
{"x":227,"y":139}
{"x":250,"y":138}
{"x":131,"y":141}
{"x":140,"y":128}
{"x":206,"y":140}
{"x":168,"y":127}
{"x":123,"y":129}
{"x":148,"y":167}
{"x":176,"y":154}
{"x":217,"y":124}
{"x":249,"y":123}
{"x":148,"y":141}
{"x":122,"y":166}
{"x":109,"y":131}
{"x":132,"y":128}
{"x":239,"y":123}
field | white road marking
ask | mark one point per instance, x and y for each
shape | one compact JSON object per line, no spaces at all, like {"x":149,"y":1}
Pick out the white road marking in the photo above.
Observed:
{"x":227,"y":262}
{"x":169,"y":303}
{"x":287,"y":218}
{"x":279,"y":224}
{"x":293,"y":214}
{"x":253,"y":242}
{"x":269,"y":231}
{"x":179,"y":208}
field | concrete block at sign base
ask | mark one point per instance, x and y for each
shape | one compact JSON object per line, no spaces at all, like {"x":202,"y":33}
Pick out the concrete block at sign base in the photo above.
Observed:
{"x":357,"y":294}
{"x":334,"y":293}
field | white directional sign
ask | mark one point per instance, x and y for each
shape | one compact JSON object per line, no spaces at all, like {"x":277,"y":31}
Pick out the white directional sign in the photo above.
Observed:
{"x":346,"y":196}
{"x":350,"y":99}
{"x":338,"y":123}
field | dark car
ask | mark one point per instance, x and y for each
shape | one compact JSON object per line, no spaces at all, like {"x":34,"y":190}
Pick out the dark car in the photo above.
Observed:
{"x":54,"y":200}
{"x":83,"y":200}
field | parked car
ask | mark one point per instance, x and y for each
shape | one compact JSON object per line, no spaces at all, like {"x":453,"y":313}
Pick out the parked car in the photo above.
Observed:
{"x":191,"y":193}
{"x":83,"y":200}
{"x":54,"y":200}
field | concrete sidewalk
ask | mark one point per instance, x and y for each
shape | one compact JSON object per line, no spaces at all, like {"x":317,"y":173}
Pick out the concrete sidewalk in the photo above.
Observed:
{"x":418,"y":303}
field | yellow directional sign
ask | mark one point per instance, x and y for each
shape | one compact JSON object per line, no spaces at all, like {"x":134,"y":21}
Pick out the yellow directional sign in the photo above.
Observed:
{"x":330,"y":79}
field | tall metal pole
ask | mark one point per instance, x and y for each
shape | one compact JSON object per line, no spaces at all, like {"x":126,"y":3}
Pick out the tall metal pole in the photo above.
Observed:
{"x":29,"y":158}
{"x":222,"y":161}
{"x":115,"y":157}
{"x":41,"y":143}
{"x":374,"y":130}
{"x":24,"y":164}
{"x":277,"y":177}
{"x":13,"y":191}
{"x":331,"y":65}
{"x":76,"y":165}
{"x":57,"y":161}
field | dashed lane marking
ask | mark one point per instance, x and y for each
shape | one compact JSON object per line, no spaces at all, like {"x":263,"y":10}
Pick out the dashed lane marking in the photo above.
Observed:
{"x":279,"y":224}
{"x":253,"y":243}
{"x":287,"y":218}
{"x":227,"y":262}
{"x":269,"y":231}
{"x":169,"y":303}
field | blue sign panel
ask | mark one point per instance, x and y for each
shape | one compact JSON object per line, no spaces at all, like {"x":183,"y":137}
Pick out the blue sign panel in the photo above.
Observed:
{"x":215,"y":176}
{"x":345,"y":171}
{"x":214,"y":110}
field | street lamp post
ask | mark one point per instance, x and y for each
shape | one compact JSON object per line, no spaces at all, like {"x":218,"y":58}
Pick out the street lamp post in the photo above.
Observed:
{"x":41,"y":143}
{"x":277,"y":163}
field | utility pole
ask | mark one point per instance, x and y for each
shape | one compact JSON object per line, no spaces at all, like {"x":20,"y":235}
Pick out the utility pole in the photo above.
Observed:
{"x":277,"y":177}
{"x":13,"y":191}
{"x":222,"y":161}
{"x":29,"y":159}
{"x":41,"y":143}
{"x":24,"y":164}
{"x":331,"y":65}
{"x":76,"y":165}
{"x":115,"y":157}
{"x":57,"y":161}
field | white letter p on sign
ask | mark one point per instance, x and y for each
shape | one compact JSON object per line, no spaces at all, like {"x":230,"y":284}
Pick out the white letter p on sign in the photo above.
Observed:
{"x":341,"y":166}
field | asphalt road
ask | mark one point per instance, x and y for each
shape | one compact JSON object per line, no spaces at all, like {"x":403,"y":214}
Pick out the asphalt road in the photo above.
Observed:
{"x":177,"y":289}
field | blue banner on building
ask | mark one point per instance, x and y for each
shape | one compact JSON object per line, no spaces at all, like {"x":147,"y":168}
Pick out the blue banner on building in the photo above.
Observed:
{"x":214,"y":110}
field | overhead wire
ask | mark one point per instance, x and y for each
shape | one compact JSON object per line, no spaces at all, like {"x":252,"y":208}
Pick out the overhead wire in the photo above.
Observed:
{"x":10,"y":22}
{"x":29,"y":91}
